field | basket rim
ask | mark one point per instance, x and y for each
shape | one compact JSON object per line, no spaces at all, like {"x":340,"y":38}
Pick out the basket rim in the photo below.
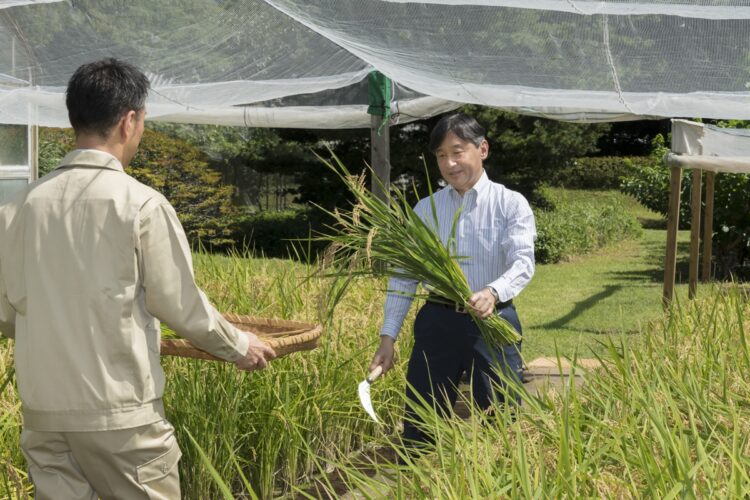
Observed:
{"x":248,"y":319}
{"x":303,"y":336}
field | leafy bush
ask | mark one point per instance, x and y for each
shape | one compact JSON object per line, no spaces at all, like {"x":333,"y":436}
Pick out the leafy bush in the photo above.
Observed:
{"x":595,"y":172}
{"x":279,"y":233}
{"x":649,"y":184}
{"x":54,"y":144}
{"x":580,"y":222}
{"x":178,"y":170}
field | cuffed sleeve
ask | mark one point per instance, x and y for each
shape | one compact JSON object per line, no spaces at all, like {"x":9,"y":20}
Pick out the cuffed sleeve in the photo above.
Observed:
{"x":518,"y":245}
{"x":171,"y":293}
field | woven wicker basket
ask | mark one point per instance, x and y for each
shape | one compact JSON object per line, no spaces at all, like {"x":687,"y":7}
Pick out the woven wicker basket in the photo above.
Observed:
{"x":282,"y":336}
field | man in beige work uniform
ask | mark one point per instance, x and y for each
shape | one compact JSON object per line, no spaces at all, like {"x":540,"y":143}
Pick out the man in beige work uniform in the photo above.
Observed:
{"x":89,"y":259}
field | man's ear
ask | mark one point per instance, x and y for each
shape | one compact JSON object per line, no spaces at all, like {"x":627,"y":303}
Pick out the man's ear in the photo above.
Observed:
{"x":126,"y":125}
{"x":484,"y":149}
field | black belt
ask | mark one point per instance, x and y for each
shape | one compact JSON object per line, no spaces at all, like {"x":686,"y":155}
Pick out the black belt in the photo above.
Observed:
{"x":439,"y":300}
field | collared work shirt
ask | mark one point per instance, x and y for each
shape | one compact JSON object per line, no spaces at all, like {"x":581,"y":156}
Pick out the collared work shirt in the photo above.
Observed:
{"x":89,"y":259}
{"x":495,"y":231}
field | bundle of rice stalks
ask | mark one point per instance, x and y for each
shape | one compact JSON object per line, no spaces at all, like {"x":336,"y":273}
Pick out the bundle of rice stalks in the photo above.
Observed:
{"x":387,"y":237}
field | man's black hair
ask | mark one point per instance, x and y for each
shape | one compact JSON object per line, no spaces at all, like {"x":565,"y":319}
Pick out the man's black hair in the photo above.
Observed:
{"x":99,"y":93}
{"x":464,"y":126}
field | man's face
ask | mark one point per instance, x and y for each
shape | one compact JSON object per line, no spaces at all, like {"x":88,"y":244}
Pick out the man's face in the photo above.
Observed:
{"x":460,"y":161}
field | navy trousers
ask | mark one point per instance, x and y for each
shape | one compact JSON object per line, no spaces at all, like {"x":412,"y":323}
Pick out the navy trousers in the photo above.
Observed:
{"x":447,"y":344}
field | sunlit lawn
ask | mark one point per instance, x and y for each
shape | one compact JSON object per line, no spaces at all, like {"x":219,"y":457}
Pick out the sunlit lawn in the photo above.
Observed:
{"x":571,"y":305}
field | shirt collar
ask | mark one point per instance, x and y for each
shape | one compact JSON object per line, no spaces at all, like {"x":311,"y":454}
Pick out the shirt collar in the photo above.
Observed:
{"x":480,"y":187}
{"x":91,"y":158}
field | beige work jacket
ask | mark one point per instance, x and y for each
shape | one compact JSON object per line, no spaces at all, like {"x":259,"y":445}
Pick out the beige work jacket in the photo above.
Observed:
{"x":89,"y":259}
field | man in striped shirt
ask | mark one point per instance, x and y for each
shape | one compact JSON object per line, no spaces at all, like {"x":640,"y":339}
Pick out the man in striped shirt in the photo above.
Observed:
{"x":496,"y":231}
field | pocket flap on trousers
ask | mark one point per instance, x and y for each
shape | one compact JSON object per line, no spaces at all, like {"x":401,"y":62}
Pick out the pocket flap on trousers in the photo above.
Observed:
{"x":159,"y":466}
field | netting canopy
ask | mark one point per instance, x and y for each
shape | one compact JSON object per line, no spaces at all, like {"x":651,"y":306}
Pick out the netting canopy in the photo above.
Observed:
{"x":705,"y":147}
{"x":304,"y":63}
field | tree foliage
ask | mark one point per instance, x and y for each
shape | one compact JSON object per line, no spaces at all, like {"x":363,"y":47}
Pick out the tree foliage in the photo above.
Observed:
{"x":526,"y":151}
{"x":183,"y":174}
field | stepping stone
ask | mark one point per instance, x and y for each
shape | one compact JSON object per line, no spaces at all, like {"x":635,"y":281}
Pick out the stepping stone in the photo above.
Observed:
{"x":545,"y":374}
{"x":541,"y":375}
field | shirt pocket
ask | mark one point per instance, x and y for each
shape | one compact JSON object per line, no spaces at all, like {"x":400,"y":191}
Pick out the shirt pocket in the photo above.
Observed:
{"x":488,"y":238}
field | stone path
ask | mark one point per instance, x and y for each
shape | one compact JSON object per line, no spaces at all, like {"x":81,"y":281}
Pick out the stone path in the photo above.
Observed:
{"x":544,"y":374}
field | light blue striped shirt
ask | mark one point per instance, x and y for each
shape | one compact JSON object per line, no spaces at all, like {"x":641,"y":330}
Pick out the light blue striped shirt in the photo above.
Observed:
{"x":495,"y":230}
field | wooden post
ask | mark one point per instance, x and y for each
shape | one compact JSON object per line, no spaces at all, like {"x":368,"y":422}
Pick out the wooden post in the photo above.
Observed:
{"x":708,"y":226}
{"x":380,"y":157}
{"x":695,"y":231}
{"x":673,"y":220}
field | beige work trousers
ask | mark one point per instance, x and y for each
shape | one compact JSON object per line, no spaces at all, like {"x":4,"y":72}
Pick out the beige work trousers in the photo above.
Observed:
{"x":137,"y":463}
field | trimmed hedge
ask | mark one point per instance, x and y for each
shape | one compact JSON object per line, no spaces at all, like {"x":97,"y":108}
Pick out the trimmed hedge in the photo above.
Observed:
{"x":281,"y":234}
{"x":581,"y":222}
{"x":576,"y":222}
{"x":596,"y":172}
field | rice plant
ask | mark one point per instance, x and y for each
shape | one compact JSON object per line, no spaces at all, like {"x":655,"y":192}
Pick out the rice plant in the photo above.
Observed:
{"x":666,"y":419}
{"x":13,"y":477}
{"x":262,"y":431}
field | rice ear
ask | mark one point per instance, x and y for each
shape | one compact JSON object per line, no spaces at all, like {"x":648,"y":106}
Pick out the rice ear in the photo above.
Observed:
{"x":368,"y":247}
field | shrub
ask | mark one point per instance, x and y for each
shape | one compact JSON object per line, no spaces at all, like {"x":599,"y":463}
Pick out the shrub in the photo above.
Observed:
{"x":278,"y":233}
{"x":54,"y":144}
{"x":596,"y":172}
{"x":648,"y":182}
{"x":183,"y":174}
{"x":580,"y":223}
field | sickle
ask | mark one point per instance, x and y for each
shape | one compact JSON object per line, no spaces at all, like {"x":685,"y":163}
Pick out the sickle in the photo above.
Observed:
{"x":364,"y":392}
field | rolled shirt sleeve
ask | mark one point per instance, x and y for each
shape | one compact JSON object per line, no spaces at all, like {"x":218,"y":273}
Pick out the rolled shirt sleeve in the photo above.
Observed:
{"x":171,"y":293}
{"x":397,"y":303}
{"x":518,"y":245}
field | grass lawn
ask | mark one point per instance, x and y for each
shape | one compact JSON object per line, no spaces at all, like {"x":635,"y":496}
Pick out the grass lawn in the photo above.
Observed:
{"x":573,"y":305}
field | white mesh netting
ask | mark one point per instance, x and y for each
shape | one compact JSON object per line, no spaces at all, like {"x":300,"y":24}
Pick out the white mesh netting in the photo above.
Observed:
{"x":697,"y":145}
{"x":301,"y":63}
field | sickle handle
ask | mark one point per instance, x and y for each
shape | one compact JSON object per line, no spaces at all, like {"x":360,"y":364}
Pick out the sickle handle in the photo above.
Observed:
{"x":375,"y":374}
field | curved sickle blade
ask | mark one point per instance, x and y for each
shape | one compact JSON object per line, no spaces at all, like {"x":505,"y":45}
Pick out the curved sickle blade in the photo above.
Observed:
{"x":364,"y":398}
